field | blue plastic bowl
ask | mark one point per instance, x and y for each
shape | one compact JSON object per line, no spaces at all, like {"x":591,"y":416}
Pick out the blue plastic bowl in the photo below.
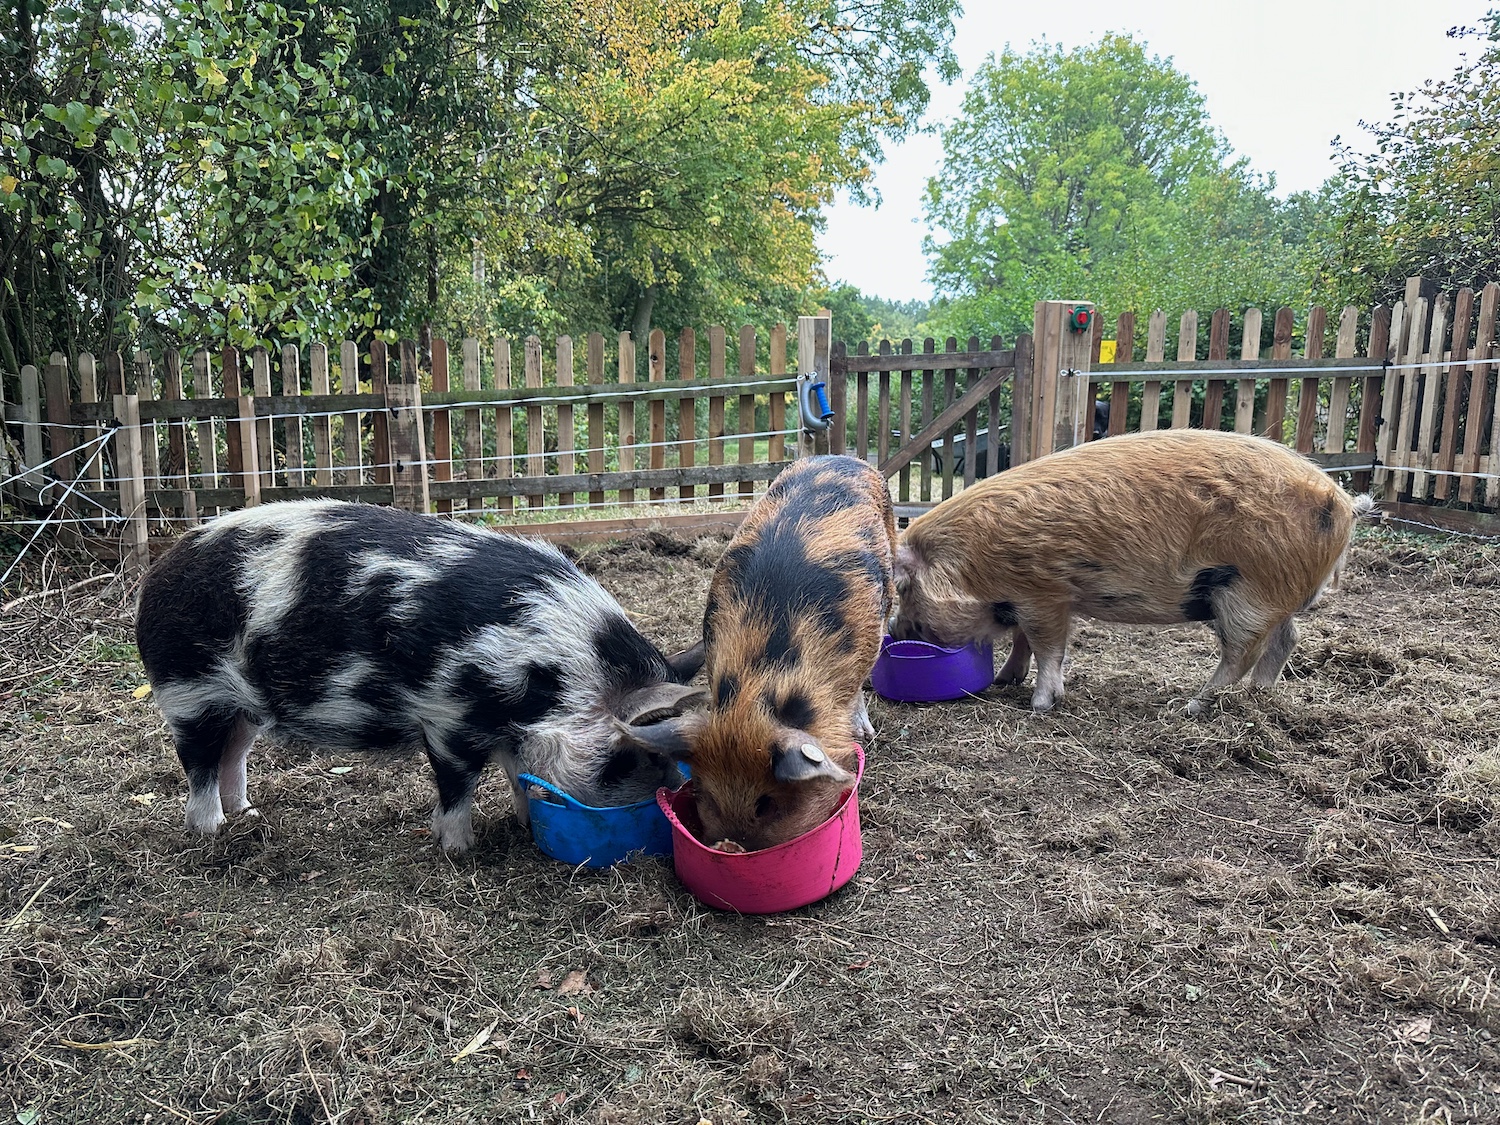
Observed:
{"x":575,"y":833}
{"x":917,"y":672}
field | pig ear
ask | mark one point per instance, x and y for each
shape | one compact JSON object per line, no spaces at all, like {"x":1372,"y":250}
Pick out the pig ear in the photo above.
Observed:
{"x":648,"y":705}
{"x":671,"y":738}
{"x":906,"y":565}
{"x":806,"y":761}
{"x":685,"y":664}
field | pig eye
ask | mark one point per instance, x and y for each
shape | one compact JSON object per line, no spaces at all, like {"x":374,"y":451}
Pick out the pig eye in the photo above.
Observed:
{"x":765,"y":806}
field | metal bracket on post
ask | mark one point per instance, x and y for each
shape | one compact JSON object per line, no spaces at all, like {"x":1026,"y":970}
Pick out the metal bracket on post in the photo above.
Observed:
{"x":812,"y":400}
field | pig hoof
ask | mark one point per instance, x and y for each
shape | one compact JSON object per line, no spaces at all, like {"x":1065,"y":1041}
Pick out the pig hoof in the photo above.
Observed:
{"x":1042,"y":705}
{"x":453,"y":831}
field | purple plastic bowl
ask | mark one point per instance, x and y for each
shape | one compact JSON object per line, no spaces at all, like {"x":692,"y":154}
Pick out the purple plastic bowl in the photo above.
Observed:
{"x":917,"y":672}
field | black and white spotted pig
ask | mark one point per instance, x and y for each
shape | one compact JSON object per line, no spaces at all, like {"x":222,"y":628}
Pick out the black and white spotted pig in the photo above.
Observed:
{"x":352,"y":627}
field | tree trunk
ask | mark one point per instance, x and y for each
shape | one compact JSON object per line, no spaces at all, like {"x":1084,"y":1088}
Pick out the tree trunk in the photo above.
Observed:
{"x":640,"y":320}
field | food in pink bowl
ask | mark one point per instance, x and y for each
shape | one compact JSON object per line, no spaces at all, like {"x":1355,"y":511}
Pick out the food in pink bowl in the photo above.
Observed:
{"x":793,"y":874}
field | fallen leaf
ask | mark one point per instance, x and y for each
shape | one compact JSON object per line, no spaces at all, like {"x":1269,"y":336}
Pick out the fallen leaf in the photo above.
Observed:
{"x":576,"y":1015}
{"x":340,"y":769}
{"x":144,"y":798}
{"x":1415,"y":1031}
{"x":559,"y":1097}
{"x":543,"y":979}
{"x":575,"y":984}
{"x":478,"y":1042}
{"x":857,"y":967}
{"x":28,"y":1116}
{"x":141,"y":692}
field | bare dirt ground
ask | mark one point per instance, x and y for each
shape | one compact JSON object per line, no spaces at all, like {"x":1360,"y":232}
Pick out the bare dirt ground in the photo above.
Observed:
{"x":1286,"y":912}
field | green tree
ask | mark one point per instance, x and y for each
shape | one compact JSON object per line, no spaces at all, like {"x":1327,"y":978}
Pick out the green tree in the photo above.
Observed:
{"x":1426,"y":200}
{"x":1094,"y":173}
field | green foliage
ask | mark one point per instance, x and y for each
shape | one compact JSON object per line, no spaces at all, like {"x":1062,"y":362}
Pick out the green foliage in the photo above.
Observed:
{"x":1426,"y":201}
{"x":208,"y":170}
{"x":1095,"y":174}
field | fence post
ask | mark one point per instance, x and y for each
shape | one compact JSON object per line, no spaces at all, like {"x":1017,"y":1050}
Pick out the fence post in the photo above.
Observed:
{"x":1020,"y":401}
{"x":442,"y":421}
{"x":656,"y":372}
{"x":379,"y":375}
{"x":1063,"y":361}
{"x":408,"y":446}
{"x":244,"y":458}
{"x":130,"y":466}
{"x":59,"y":418}
{"x":31,"y":425}
{"x":747,"y":406}
{"x":814,"y":357}
{"x":536,"y":428}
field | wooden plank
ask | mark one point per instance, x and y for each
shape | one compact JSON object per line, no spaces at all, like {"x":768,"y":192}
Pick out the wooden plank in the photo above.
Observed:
{"x":244,"y":461}
{"x":260,"y":377}
{"x":883,"y":408}
{"x":130,"y":468}
{"x":59,"y":423}
{"x":1218,"y":351}
{"x":914,"y":446}
{"x":927,"y":413}
{"x":1479,"y":399}
{"x":565,"y":421}
{"x":1276,"y":393}
{"x":594,"y":363}
{"x":380,"y":450}
{"x":473,"y":419}
{"x":992,"y":414}
{"x":536,"y":426}
{"x":1156,"y":351}
{"x":322,"y":428}
{"x":1371,"y":390}
{"x":234,"y":447}
{"x":904,"y":390}
{"x":656,"y":372}
{"x":1182,"y":389}
{"x":971,"y":421}
{"x":1020,"y":402}
{"x":1390,"y":409}
{"x":32,"y":426}
{"x":747,"y":406}
{"x":1455,"y":381}
{"x":409,"y":484}
{"x":1402,"y":454}
{"x":353,"y":454}
{"x":1047,"y":330}
{"x":891,"y":361}
{"x":1492,"y":486}
{"x":505,"y":432}
{"x":88,"y":393}
{"x":145,"y":391}
{"x":114,"y":374}
{"x":777,"y":369}
{"x":838,"y":401}
{"x":1307,"y":391}
{"x":441,"y":468}
{"x":626,"y":367}
{"x":717,"y":366}
{"x":1335,"y":437}
{"x":861,"y":401}
{"x":670,"y":477}
{"x":1244,"y":391}
{"x":1426,"y":516}
{"x":291,"y":387}
{"x":1431,"y":394}
{"x":950,"y":395}
{"x":1119,"y":391}
{"x":175,"y":471}
{"x":207,"y":443}
{"x":687,"y":406}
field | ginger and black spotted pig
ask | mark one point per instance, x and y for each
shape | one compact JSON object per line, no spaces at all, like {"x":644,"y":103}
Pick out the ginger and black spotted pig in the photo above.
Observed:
{"x":1150,"y":529}
{"x":796,"y":613}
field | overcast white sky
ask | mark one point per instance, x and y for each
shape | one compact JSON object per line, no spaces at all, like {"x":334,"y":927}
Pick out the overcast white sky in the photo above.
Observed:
{"x":1282,"y":78}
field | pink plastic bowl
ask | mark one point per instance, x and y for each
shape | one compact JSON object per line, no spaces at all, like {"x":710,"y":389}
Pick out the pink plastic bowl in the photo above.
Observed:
{"x":793,"y":874}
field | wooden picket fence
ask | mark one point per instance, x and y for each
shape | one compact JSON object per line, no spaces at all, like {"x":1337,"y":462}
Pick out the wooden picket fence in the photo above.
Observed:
{"x":1405,"y":404}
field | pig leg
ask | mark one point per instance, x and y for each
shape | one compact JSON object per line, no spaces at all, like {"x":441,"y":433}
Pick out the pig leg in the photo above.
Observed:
{"x":456,"y":766}
{"x":211,"y":746}
{"x":1050,"y":642}
{"x":233,"y":782}
{"x":1278,"y":649}
{"x":1014,"y":670}
{"x":863,"y":728}
{"x":1240,"y":646}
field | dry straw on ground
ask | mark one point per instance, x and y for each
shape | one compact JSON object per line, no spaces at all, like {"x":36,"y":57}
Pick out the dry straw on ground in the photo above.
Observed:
{"x":1287,"y":912}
